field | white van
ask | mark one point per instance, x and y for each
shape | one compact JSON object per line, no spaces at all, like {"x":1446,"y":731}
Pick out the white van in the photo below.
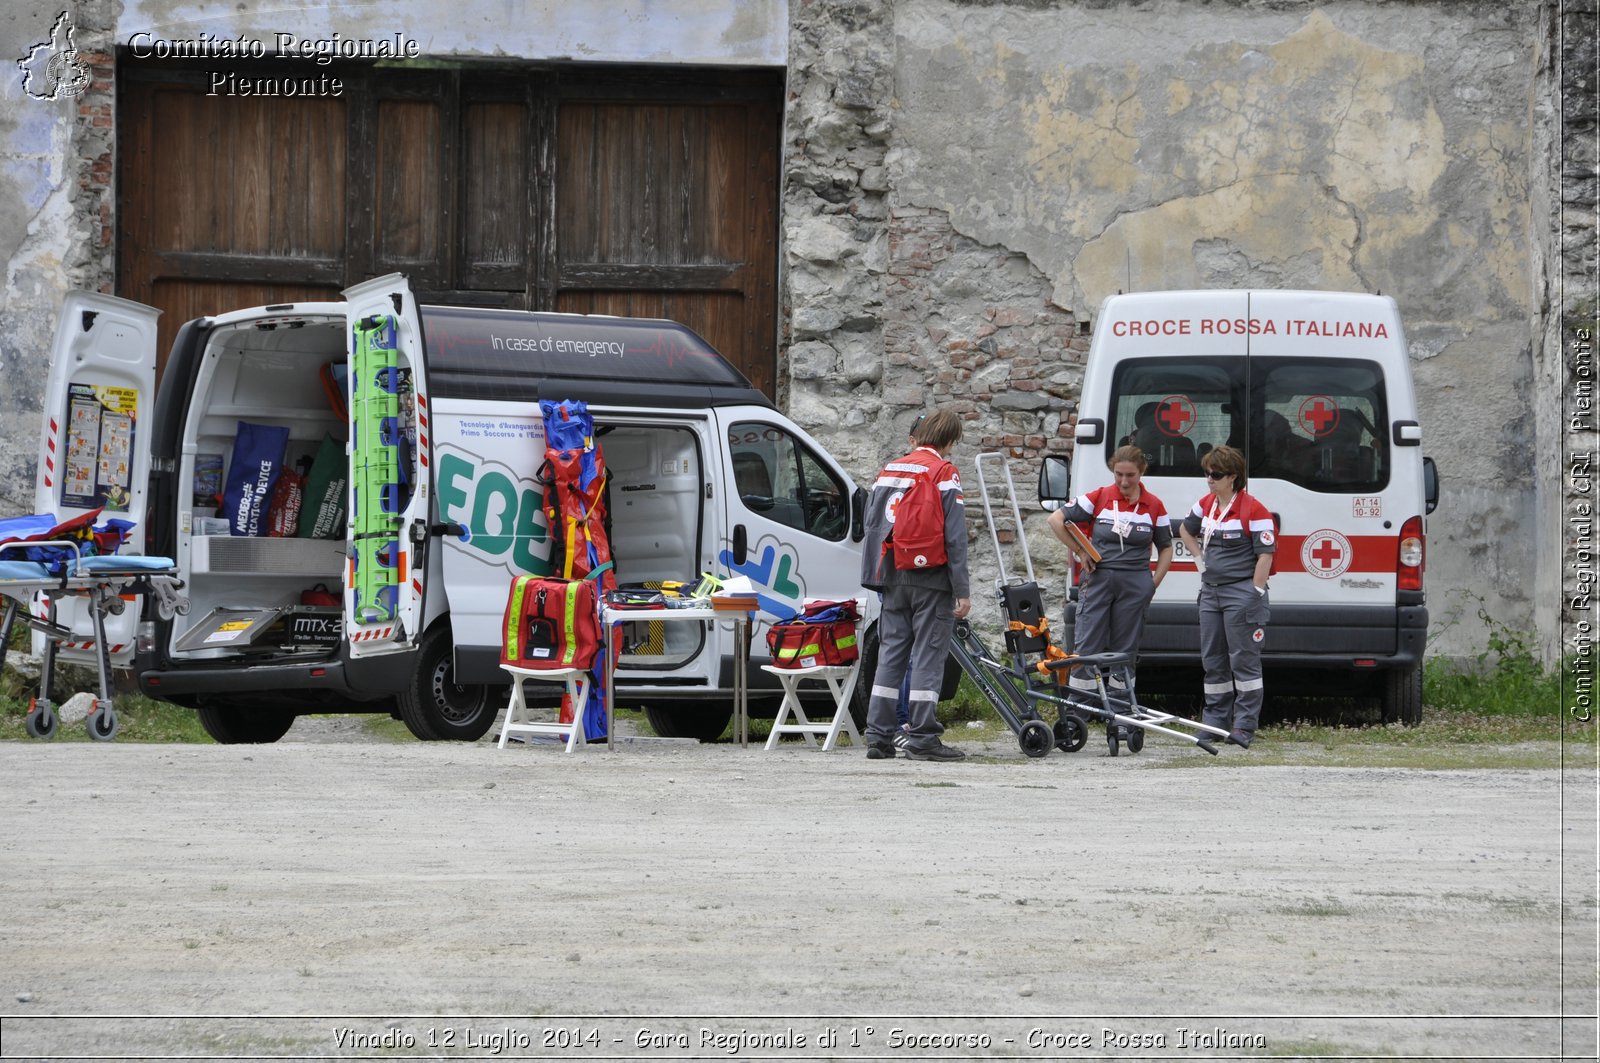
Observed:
{"x":706,"y":476}
{"x":1315,"y":389}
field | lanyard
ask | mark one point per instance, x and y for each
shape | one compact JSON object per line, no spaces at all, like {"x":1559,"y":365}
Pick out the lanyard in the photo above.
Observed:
{"x":1213,"y":520}
{"x":1120,"y":524}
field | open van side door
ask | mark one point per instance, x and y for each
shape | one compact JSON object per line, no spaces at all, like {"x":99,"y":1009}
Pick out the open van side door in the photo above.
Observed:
{"x":391,"y":478}
{"x":94,"y":447}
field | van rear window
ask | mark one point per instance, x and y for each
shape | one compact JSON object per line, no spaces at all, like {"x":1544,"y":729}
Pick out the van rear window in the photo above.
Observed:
{"x":1314,"y":422}
{"x":503,"y":347}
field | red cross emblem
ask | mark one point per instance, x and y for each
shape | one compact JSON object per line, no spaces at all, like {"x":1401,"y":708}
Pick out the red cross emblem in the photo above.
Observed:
{"x":1175,"y":415}
{"x":1319,"y":415}
{"x":1326,"y":554}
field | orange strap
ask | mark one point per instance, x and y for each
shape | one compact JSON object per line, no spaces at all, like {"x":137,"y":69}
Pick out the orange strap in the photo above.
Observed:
{"x":1052,"y":652}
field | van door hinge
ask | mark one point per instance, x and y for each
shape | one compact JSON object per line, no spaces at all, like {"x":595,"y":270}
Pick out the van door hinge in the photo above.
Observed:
{"x":708,"y":491}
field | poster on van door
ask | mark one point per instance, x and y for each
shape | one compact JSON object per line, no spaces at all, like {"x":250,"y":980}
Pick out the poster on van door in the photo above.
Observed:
{"x":486,"y":485}
{"x":97,"y":467}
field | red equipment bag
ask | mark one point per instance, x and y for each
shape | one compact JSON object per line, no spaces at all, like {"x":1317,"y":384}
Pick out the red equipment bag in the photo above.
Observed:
{"x":550,"y":624}
{"x":917,"y":514}
{"x":824,"y":633}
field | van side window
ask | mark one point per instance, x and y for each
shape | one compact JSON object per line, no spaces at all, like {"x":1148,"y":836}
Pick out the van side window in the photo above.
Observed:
{"x":1320,"y":424}
{"x":776,"y":476}
{"x":1176,"y":411}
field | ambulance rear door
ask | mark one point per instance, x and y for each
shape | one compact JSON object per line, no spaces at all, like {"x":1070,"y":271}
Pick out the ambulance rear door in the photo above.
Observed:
{"x":1334,"y":452}
{"x":94,"y":447}
{"x":391,"y":477}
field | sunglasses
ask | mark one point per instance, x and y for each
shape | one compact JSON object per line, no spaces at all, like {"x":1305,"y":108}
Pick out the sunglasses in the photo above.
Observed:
{"x":1212,"y":474}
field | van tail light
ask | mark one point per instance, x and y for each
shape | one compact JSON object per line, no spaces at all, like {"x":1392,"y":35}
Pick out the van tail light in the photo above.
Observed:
{"x":1413,"y":550}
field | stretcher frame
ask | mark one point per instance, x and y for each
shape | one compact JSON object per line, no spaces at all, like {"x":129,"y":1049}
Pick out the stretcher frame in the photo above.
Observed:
{"x":102,"y":581}
{"x":1033,"y":675}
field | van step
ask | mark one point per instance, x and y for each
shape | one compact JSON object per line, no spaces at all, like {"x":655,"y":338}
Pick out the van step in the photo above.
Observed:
{"x":229,"y":628}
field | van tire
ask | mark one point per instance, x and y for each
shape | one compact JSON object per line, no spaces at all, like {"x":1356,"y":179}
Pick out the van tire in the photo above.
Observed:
{"x":1402,"y":696}
{"x":434,"y":706}
{"x":703,"y":724}
{"x":863,"y":691}
{"x":241,"y":726}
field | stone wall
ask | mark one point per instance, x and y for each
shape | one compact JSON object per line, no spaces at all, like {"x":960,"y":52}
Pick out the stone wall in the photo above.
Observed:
{"x":1074,"y":149}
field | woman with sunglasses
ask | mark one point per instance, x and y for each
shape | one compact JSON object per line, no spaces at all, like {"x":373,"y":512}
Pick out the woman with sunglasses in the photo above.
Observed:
{"x":1115,"y":593}
{"x":1236,"y":540}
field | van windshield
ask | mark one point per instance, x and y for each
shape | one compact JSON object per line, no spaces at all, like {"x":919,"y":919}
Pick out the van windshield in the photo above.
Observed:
{"x":1313,"y":422}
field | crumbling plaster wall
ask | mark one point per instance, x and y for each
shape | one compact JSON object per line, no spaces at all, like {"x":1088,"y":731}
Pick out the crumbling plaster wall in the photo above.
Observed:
{"x":55,"y":217}
{"x":1094,"y":146}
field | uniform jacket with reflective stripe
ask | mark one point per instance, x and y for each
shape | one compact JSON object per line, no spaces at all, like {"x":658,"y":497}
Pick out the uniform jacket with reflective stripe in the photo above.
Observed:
{"x":877,"y":567}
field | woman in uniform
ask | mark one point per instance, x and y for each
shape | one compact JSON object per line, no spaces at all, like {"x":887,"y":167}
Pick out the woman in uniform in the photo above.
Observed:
{"x":1233,"y":536}
{"x":1115,"y":592}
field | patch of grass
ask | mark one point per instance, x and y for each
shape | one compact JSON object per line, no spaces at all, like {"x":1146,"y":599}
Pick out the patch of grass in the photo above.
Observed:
{"x":388,"y":729}
{"x":140,"y":719}
{"x":1507,"y":678}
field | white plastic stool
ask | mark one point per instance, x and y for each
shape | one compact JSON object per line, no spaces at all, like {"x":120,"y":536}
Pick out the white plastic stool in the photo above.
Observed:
{"x":519,"y":718}
{"x":841,"y":679}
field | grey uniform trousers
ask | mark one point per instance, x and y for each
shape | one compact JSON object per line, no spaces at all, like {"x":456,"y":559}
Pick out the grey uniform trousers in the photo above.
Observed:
{"x":1112,"y":603}
{"x":914,"y":631}
{"x":1233,"y":620}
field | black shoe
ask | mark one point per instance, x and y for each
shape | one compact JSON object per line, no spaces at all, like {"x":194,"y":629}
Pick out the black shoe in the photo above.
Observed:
{"x":880,"y":751}
{"x":1242,"y":739}
{"x":937,"y":751}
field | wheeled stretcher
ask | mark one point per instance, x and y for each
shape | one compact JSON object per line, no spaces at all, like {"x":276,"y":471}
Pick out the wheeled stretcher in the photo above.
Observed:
{"x":1034,"y":673}
{"x":47,"y":571}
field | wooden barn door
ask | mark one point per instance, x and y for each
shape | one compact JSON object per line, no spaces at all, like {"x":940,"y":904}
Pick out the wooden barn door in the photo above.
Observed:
{"x":526,"y":189}
{"x":670,"y":210}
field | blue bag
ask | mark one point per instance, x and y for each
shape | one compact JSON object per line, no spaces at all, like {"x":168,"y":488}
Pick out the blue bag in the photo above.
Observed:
{"x":252,"y":472}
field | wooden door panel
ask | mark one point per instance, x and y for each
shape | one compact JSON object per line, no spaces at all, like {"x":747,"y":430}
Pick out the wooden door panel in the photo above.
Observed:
{"x":407,"y":177}
{"x":496,"y":212}
{"x":669,"y":210}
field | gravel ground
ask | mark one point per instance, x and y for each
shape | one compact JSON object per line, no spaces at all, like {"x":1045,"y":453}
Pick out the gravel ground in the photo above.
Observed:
{"x":330,"y":896}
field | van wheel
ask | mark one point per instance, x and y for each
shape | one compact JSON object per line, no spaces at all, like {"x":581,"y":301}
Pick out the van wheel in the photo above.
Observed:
{"x":1402,"y":695}
{"x":863,"y":691}
{"x":242,"y":726}
{"x":434,"y":706}
{"x":704,"y":724}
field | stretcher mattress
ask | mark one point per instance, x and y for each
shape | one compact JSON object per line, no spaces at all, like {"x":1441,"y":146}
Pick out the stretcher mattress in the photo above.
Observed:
{"x":97,"y":567}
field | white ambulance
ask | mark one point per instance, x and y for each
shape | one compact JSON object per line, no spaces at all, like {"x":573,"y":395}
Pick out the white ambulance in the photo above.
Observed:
{"x":706,"y":476}
{"x":1315,"y":389}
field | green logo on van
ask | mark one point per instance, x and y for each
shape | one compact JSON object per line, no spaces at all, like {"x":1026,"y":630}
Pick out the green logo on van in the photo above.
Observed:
{"x":503,"y":514}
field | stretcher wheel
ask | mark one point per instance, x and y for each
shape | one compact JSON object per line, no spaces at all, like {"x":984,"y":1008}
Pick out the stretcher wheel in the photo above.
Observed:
{"x":1135,"y":739}
{"x":1112,"y":746}
{"x":102,"y":722}
{"x":1036,"y":738}
{"x":41,"y":722}
{"x":1071,"y":734}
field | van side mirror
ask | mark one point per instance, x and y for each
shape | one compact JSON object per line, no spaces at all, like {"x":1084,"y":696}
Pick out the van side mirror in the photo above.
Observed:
{"x":1430,"y":485}
{"x":1055,"y":481}
{"x":858,"y":515}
